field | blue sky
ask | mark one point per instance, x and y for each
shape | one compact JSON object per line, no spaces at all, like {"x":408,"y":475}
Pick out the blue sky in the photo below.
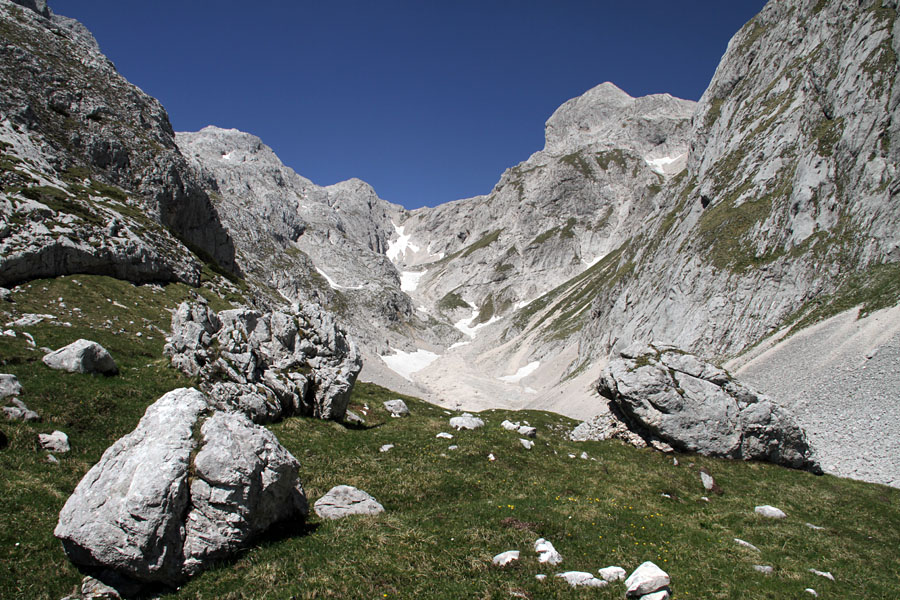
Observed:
{"x":426,"y":101}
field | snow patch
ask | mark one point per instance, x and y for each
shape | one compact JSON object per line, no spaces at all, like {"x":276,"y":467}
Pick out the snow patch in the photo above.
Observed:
{"x":334,"y":285}
{"x":522,"y":373}
{"x":407,"y":363}
{"x":658,"y":165}
{"x":458,"y":345}
{"x":466,"y":326}
{"x":401,"y":245}
{"x":409,"y":280}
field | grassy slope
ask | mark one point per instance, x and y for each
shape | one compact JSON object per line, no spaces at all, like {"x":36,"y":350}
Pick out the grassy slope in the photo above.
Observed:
{"x":448,"y":511}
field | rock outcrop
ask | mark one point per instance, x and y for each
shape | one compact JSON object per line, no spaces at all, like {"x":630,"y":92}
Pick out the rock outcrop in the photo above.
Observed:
{"x":91,"y":175}
{"x":267,"y":365}
{"x":694,"y":406}
{"x":187,"y":486}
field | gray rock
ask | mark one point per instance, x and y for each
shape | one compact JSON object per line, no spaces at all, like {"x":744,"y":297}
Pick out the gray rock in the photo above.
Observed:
{"x":612,"y":574}
{"x":267,"y":365}
{"x":9,"y":386}
{"x":658,"y":595}
{"x":444,"y":435}
{"x":504,"y":558}
{"x":161,"y":502}
{"x":646,"y":579}
{"x":54,"y":442}
{"x":244,"y":482}
{"x":397,"y":408}
{"x":606,"y":427}
{"x":527,"y":431}
{"x":546,"y":552}
{"x":5,"y":294}
{"x":18,"y":411}
{"x":764,"y":569}
{"x":769,"y":511}
{"x":386,"y":448}
{"x":825,"y":574}
{"x":716,"y":417}
{"x":351,"y":418}
{"x":82,"y":356}
{"x":344,"y":500}
{"x":582,"y":579}
{"x":527,"y":444}
{"x":745,"y":544}
{"x":811,"y":592}
{"x":509,"y":425}
{"x":466,"y":421}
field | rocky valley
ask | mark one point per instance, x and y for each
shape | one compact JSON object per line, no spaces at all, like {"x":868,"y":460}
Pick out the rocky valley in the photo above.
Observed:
{"x":623,"y":275}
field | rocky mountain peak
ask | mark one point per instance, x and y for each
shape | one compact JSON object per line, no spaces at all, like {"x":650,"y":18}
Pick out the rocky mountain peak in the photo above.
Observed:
{"x":38,"y":6}
{"x":654,"y":126}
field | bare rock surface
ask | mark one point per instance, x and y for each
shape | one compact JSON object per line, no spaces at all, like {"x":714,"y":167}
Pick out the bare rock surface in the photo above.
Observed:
{"x":267,"y":364}
{"x":138,"y":513}
{"x":82,"y":356}
{"x":9,"y":386}
{"x":57,"y":441}
{"x":345,"y":500}
{"x":697,"y":407}
{"x":646,"y":579}
{"x":466,"y":421}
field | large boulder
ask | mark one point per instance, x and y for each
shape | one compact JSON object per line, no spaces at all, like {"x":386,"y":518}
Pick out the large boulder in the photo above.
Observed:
{"x":82,"y":356}
{"x":267,"y":365}
{"x":187,"y":486}
{"x":665,"y":394}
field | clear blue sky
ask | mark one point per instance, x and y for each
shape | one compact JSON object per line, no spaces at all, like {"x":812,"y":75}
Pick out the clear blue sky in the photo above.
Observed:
{"x":426,"y":101}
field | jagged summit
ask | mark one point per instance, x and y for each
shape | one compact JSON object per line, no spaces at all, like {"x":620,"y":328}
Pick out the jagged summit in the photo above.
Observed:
{"x":655,"y":127}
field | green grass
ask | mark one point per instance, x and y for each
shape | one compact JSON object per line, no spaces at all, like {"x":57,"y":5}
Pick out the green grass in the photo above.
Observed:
{"x":578,"y":162}
{"x":447,"y":511}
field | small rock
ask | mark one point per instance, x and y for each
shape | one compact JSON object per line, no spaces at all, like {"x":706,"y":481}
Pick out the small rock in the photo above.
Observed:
{"x":345,"y":500}
{"x":5,"y":294}
{"x":491,"y":457}
{"x":9,"y":386}
{"x":665,"y":495}
{"x":764,"y":569}
{"x":528,"y":444}
{"x":811,"y":591}
{"x":444,"y":435}
{"x":825,"y":574}
{"x":741,"y":542}
{"x":466,"y":421}
{"x":540,"y":577}
{"x":584,"y":456}
{"x":581,"y":579}
{"x":646,"y":579}
{"x":509,"y":425}
{"x":704,"y":498}
{"x":54,"y":442}
{"x":814,"y":527}
{"x":660,"y":595}
{"x":547,"y":553}
{"x":352,"y":418}
{"x":611,"y":574}
{"x":453,"y":447}
{"x":19,"y":412}
{"x":769,"y":511}
{"x":94,"y":589}
{"x":504,"y":558}
{"x":82,"y":356}
{"x":674,"y":462}
{"x":52,"y":459}
{"x":527,"y":431}
{"x":397,"y":408}
{"x":386,"y":447}
{"x":709,"y":484}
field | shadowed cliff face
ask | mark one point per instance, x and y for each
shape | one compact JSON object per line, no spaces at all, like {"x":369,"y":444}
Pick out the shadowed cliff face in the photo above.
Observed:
{"x":65,"y":101}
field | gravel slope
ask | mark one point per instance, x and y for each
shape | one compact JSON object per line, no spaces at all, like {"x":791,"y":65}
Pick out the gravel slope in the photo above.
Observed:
{"x":841,"y":378}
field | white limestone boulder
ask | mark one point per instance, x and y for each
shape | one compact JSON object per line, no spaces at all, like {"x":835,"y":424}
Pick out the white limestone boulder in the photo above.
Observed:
{"x":82,"y":356}
{"x":345,"y":500}
{"x":188,"y":485}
